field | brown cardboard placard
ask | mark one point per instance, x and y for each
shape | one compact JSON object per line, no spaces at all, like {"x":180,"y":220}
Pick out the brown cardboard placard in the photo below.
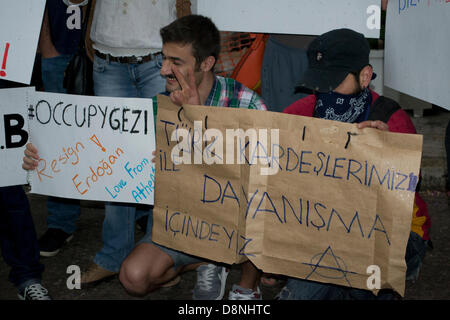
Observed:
{"x":337,"y":200}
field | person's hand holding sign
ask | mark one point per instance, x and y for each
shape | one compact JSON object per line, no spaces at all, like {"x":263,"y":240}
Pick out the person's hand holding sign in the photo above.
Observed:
{"x":31,"y":159}
{"x":377,"y":124}
{"x":188,"y":94}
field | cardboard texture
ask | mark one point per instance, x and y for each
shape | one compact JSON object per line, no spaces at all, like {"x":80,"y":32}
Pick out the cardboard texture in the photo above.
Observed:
{"x":340,"y":201}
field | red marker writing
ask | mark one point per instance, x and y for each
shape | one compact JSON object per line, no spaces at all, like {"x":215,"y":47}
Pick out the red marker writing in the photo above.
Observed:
{"x":5,"y":56}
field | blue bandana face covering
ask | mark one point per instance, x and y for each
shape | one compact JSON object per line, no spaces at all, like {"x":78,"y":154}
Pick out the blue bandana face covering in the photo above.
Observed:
{"x":342,"y":107}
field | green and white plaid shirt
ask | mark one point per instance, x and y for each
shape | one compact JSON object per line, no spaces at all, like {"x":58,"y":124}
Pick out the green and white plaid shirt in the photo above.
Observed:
{"x":227,"y":92}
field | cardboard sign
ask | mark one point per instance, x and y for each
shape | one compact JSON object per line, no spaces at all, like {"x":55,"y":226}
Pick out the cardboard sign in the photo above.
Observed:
{"x":19,"y":35}
{"x":309,"y":198}
{"x":13,"y":135}
{"x":309,"y":17}
{"x":93,"y":148}
{"x":417,"y":51}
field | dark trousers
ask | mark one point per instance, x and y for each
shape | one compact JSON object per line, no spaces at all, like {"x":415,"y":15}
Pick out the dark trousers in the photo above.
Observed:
{"x":447,"y":148}
{"x":18,"y":240}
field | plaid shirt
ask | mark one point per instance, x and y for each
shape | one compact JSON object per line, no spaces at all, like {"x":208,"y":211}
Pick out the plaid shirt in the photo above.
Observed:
{"x":227,"y":92}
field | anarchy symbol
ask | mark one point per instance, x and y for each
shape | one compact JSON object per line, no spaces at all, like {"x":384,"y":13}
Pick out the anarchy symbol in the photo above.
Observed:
{"x":328,"y":265}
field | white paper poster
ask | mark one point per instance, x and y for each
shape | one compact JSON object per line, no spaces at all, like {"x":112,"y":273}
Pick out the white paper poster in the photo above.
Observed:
{"x":19,"y":34}
{"x":309,"y":17}
{"x":417,"y":49}
{"x":93,"y":148}
{"x":13,"y":135}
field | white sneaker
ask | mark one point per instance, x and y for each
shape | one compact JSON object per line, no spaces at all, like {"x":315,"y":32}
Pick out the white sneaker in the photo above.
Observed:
{"x":211,"y":281}
{"x":35,"y":292}
{"x":239,"y":293}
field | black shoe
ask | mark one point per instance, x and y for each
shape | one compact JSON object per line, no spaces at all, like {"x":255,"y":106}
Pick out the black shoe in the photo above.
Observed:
{"x":52,"y":241}
{"x":34,"y":292}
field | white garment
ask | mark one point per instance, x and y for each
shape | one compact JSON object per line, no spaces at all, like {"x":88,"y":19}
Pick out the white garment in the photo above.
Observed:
{"x":130,"y":27}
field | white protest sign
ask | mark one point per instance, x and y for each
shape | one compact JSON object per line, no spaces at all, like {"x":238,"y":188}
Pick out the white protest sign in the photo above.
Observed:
{"x":19,"y":35}
{"x":13,"y":135}
{"x":310,"y":17}
{"x":93,"y":148}
{"x":417,"y":49}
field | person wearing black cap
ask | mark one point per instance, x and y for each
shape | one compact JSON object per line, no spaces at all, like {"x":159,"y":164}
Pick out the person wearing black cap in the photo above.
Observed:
{"x":339,"y":76}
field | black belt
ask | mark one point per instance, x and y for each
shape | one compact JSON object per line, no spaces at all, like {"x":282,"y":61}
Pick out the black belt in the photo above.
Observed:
{"x":132,"y":59}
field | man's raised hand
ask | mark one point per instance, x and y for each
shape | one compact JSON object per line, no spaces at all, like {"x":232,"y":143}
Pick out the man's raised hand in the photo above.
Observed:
{"x":188,"y":94}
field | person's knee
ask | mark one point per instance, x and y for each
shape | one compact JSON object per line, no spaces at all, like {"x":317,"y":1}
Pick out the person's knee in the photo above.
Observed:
{"x":140,"y":275}
{"x":134,"y":278}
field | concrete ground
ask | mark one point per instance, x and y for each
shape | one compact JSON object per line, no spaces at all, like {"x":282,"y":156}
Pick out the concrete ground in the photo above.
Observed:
{"x":81,"y":251}
{"x":433,"y":282}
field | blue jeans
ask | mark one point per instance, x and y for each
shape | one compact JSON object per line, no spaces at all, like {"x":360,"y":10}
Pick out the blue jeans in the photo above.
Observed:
{"x":179,"y":258}
{"x":299,"y":289}
{"x":62,"y":213}
{"x":113,"y":79}
{"x":53,"y":72}
{"x":18,"y":241}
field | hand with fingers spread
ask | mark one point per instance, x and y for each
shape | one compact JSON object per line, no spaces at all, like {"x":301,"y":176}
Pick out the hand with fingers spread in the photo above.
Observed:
{"x":188,"y":94}
{"x":31,"y":159}
{"x":380,"y":125}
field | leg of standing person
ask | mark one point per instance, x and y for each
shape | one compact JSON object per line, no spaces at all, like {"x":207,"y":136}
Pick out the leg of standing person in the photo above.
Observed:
{"x":19,"y":244}
{"x":62,"y":213}
{"x":115,"y":79}
{"x":447,"y":148}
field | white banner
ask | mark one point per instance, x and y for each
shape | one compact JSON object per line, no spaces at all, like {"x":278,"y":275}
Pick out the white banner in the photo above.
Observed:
{"x":309,"y":17}
{"x":19,"y":34}
{"x":417,"y":49}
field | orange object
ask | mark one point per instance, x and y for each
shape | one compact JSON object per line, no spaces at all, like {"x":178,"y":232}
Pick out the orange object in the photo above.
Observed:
{"x":248,"y":70}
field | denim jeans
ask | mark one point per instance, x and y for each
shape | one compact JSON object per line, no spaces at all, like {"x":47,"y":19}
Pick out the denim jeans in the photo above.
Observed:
{"x":18,"y":240}
{"x":299,"y":289}
{"x":118,"y":234}
{"x":62,"y":213}
{"x":179,"y":258}
{"x":53,"y":72}
{"x":113,"y":79}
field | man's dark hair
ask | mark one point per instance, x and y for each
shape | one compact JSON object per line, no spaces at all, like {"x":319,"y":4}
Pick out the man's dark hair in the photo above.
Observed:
{"x":197,"y":30}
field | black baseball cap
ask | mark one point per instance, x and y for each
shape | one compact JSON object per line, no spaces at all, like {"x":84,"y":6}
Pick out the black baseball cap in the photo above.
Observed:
{"x":332,"y":56}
